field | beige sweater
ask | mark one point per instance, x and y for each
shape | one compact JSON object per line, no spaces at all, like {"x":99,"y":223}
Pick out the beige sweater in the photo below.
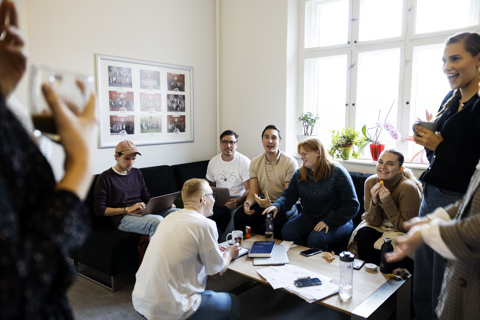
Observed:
{"x":403,"y":205}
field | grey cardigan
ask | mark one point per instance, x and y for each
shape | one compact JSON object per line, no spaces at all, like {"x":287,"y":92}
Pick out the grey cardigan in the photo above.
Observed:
{"x":461,"y":282}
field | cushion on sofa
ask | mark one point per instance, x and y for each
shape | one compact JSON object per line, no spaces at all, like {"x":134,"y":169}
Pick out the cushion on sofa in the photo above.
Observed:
{"x":160,"y":180}
{"x":186,"y":171}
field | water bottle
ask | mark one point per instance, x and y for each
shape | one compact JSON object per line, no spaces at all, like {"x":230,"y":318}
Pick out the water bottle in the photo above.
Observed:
{"x":386,"y":267}
{"x":269,"y":227}
{"x":345,"y":289}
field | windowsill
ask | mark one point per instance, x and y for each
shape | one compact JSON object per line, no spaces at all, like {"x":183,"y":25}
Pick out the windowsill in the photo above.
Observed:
{"x":371,"y":163}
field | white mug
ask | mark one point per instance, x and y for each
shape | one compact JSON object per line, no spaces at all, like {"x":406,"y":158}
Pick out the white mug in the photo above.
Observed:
{"x":237,"y":237}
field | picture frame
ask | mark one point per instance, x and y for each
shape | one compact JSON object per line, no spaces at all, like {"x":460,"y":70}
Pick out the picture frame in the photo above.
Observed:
{"x":143,"y":101}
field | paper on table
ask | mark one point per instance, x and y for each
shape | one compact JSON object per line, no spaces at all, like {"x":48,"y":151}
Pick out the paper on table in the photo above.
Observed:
{"x":283,"y":277}
{"x":314,"y":293}
{"x":241,"y":250}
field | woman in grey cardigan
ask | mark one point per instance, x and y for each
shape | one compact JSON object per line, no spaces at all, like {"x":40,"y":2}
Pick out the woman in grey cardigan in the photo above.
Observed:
{"x":453,"y":232}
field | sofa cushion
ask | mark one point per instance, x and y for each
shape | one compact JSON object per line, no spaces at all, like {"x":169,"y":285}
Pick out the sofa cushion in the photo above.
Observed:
{"x":186,"y":171}
{"x":160,"y":180}
{"x":109,"y":251}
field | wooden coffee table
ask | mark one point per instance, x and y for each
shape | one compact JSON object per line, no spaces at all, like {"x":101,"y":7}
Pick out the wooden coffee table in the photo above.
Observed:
{"x":370,"y":289}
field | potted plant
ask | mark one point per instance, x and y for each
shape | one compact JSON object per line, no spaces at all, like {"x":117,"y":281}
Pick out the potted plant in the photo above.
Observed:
{"x":308,"y":121}
{"x":376,"y":147}
{"x":343,"y":142}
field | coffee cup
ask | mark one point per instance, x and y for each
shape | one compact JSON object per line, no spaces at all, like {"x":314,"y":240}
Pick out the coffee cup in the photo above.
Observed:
{"x":432,"y":126}
{"x":236,"y":237}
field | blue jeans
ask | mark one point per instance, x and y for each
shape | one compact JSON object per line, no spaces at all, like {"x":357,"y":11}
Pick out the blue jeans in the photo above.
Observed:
{"x":217,"y":305}
{"x":429,"y":266}
{"x":300,"y":230}
{"x":146,"y":224}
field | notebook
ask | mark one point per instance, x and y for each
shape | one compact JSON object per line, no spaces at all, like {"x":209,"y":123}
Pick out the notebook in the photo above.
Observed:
{"x":223,"y":196}
{"x":261,"y":249}
{"x":279,"y":257}
{"x":241,"y":250}
{"x":160,"y":203}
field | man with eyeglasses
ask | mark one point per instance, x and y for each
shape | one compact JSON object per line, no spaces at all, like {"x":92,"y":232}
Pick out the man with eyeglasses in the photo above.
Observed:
{"x":170,"y":283}
{"x":270,"y":174}
{"x":229,"y":169}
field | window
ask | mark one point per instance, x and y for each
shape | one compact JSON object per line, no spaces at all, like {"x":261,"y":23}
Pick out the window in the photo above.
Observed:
{"x":358,"y":58}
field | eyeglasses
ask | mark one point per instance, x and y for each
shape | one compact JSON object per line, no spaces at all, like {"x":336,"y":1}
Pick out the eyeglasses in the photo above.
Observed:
{"x":213,"y":194}
{"x":226,"y":142}
{"x":304,"y":154}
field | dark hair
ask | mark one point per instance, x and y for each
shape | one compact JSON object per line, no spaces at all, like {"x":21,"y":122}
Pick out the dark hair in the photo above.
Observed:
{"x":273,"y":127}
{"x":471,"y":44}
{"x":120,"y":154}
{"x":399,"y":155}
{"x":324,"y":166}
{"x":471,"y":41}
{"x":229,"y":133}
{"x":407,"y":173}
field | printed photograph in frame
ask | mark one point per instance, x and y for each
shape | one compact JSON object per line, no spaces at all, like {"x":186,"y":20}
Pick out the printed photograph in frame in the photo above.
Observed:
{"x":146,"y":102}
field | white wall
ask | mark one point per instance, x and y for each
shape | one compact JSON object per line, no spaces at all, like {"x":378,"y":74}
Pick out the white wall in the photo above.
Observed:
{"x":257,"y":80}
{"x":66,"y":34}
{"x":258,"y":63}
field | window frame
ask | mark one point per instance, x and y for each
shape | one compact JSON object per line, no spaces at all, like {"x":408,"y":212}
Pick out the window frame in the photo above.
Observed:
{"x":406,"y":42}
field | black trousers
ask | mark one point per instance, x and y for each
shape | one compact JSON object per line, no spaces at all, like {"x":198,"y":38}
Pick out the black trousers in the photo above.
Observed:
{"x":366,"y":238}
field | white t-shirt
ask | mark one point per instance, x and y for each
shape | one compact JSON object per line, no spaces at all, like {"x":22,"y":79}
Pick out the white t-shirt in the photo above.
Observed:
{"x":231,"y":174}
{"x":173,"y":274}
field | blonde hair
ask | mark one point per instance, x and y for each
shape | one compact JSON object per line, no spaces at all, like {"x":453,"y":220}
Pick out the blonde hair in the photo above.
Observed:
{"x":324,"y":166}
{"x":193,"y":188}
{"x":407,"y":173}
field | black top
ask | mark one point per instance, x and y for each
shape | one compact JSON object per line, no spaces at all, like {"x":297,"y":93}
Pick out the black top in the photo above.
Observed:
{"x":114,"y":190}
{"x":38,"y":227}
{"x":453,"y":162}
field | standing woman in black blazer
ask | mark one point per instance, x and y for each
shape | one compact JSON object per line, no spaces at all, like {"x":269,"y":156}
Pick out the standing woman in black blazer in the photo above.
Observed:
{"x":453,"y":153}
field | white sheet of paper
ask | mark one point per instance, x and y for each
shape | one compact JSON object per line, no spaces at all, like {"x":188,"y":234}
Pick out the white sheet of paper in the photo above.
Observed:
{"x":283,"y":277}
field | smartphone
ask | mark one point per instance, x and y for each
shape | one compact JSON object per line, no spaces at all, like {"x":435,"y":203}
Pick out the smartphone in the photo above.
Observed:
{"x":307,"y":282}
{"x":310,"y":252}
{"x":357,"y":263}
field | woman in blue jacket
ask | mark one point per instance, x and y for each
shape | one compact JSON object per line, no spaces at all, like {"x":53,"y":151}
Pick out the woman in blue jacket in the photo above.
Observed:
{"x":328,"y":198}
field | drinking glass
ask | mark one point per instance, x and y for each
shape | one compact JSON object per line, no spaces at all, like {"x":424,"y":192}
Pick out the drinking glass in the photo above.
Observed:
{"x":64,"y":84}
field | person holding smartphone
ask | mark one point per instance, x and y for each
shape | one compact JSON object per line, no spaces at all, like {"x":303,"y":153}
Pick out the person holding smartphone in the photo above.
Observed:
{"x":328,"y":197}
{"x":451,"y":157}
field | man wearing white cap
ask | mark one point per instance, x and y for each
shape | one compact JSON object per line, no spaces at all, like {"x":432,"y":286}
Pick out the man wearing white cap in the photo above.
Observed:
{"x":121,"y":193}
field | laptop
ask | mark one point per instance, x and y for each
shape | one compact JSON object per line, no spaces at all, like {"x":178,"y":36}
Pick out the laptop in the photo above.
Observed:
{"x":223,"y":196}
{"x":279,"y":257}
{"x":160,"y":203}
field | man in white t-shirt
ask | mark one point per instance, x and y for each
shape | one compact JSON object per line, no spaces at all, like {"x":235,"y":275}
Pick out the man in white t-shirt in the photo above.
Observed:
{"x":181,"y":255}
{"x":229,"y":169}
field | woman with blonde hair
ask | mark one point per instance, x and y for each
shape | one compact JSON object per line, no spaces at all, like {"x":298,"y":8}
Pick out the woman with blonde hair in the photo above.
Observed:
{"x":328,"y":198}
{"x":392,"y":196}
